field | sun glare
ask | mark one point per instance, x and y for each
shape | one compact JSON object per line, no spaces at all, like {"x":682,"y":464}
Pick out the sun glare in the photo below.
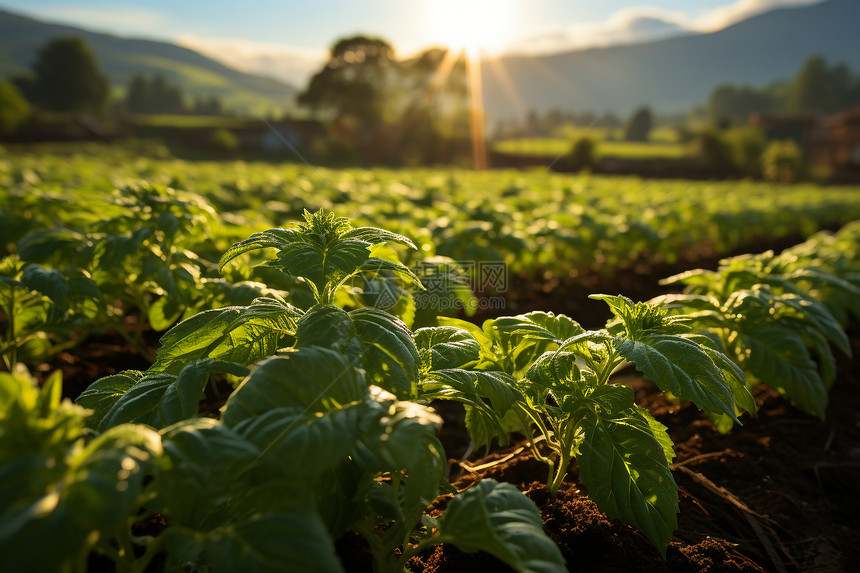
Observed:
{"x":478,"y":26}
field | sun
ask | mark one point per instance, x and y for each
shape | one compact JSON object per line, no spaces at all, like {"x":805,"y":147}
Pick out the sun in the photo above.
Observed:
{"x":477,"y":26}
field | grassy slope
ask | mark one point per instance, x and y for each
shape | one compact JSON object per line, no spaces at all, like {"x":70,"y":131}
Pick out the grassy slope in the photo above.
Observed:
{"x":119,"y":58}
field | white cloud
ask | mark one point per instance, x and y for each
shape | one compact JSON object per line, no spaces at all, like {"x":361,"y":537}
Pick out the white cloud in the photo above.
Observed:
{"x":645,"y":23}
{"x":283,"y":61}
{"x":719,"y":18}
{"x":113,"y":19}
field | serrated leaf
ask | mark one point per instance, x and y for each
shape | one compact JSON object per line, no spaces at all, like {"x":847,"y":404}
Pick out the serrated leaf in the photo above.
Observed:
{"x":497,"y":518}
{"x":101,"y":395}
{"x":446,"y":347}
{"x":539,"y":326}
{"x":625,"y":464}
{"x":312,"y":379}
{"x":160,"y":399}
{"x":272,"y":238}
{"x":778,"y":357}
{"x":680,"y":366}
{"x":240,"y":334}
{"x":389,"y":355}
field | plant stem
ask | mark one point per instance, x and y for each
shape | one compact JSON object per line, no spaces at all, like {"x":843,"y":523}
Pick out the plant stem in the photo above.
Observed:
{"x":567,"y":439}
{"x":135,"y":343}
{"x":612,"y":361}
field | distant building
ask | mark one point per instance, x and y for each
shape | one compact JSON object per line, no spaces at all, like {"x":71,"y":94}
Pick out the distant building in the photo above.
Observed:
{"x":798,"y":127}
{"x":837,"y":142}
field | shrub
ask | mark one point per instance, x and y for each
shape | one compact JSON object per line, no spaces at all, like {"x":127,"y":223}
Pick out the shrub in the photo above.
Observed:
{"x":582,"y":155}
{"x":782,"y":161}
{"x":224,"y":140}
{"x":14,"y":109}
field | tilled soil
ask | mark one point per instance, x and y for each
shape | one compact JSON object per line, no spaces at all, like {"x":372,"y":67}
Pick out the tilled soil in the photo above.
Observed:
{"x":778,"y":494}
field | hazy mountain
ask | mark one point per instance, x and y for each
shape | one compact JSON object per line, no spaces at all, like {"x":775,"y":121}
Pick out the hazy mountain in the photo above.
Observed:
{"x":119,"y":58}
{"x":674,"y":74}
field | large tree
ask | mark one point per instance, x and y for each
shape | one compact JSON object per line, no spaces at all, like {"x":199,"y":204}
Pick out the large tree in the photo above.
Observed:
{"x":67,"y":77}
{"x":352,"y":84}
{"x":640,"y":125}
{"x":822,"y":88}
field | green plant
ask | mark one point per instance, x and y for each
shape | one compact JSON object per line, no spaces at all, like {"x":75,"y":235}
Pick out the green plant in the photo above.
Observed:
{"x":762,"y":311}
{"x":311,"y":444}
{"x":546,"y":375}
{"x":35,"y":301}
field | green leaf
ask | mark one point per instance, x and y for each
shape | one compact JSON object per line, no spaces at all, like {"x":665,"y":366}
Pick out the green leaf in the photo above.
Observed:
{"x":816,"y":315}
{"x":285,"y":435}
{"x":539,"y":326}
{"x":640,"y":318}
{"x":376,"y":236}
{"x":160,"y":399}
{"x":377,"y":265}
{"x":401,"y":437}
{"x":327,"y":326}
{"x":389,"y":355}
{"x":101,"y":395}
{"x":625,"y":464}
{"x":240,"y":334}
{"x":375,"y":340}
{"x":682,"y":367}
{"x":272,"y":238}
{"x":206,"y":466}
{"x":778,"y":357}
{"x":291,"y":539}
{"x":498,"y":519}
{"x":734,"y":375}
{"x":312,"y":379}
{"x":41,"y":245}
{"x":90,"y":495}
{"x":445,"y":347}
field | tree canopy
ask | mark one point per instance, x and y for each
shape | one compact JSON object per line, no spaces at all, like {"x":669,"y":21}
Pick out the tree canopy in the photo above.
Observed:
{"x":67,"y":77}
{"x":352,"y":84}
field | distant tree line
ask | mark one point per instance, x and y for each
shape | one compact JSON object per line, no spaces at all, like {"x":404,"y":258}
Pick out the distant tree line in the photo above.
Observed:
{"x":155,"y":95}
{"x":65,"y":78}
{"x":817,"y":87}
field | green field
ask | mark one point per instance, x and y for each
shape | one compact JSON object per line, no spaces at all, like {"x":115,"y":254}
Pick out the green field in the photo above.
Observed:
{"x":554,"y":147}
{"x":309,"y":319}
{"x":556,"y":225}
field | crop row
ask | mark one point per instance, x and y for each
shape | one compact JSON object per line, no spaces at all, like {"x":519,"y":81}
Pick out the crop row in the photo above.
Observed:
{"x":327,"y":430}
{"x":535,"y":222}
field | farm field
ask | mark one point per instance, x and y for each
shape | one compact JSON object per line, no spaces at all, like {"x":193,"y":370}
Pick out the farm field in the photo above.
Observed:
{"x":216,"y":321}
{"x":554,"y":147}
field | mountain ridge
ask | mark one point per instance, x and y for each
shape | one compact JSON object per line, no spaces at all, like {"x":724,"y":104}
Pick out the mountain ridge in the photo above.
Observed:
{"x":674,"y":74}
{"x":119,"y":58}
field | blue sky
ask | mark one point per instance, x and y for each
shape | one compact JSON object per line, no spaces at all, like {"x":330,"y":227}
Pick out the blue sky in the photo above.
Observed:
{"x":293,"y":35}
